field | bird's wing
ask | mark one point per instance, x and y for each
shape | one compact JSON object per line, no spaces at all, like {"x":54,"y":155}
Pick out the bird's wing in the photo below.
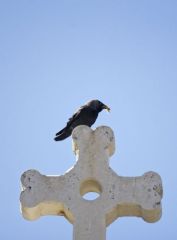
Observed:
{"x":76,"y":116}
{"x":82,"y":116}
{"x":73,"y":121}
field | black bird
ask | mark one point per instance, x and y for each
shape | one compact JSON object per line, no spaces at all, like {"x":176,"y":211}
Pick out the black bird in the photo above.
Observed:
{"x":86,"y":115}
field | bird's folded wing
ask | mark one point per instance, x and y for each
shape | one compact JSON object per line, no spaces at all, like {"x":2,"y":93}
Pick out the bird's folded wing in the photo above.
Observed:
{"x":82,"y":116}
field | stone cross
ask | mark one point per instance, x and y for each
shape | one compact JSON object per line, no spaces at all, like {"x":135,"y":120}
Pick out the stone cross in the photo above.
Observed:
{"x":118,"y":196}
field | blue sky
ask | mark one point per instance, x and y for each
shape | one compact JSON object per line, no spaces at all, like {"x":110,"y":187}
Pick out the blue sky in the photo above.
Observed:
{"x":56,"y":55}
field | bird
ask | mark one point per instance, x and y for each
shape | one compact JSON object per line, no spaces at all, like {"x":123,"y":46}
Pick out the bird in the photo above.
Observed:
{"x":85,"y":115}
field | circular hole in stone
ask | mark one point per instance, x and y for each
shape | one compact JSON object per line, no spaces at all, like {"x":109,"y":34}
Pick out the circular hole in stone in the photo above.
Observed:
{"x":90,"y":189}
{"x":91,"y":196}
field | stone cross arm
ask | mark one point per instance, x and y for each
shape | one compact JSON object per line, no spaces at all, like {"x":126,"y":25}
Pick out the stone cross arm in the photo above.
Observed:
{"x":118,"y":196}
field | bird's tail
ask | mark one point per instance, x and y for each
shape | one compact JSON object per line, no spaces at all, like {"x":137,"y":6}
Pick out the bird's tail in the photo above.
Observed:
{"x":64,"y":133}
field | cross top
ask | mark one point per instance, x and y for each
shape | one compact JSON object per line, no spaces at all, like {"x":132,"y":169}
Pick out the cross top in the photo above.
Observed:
{"x":118,"y":196}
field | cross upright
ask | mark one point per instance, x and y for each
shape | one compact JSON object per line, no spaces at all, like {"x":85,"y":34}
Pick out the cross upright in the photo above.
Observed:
{"x":118,"y":196}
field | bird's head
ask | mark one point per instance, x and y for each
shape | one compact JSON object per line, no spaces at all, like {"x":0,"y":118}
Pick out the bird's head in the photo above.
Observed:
{"x":98,"y":105}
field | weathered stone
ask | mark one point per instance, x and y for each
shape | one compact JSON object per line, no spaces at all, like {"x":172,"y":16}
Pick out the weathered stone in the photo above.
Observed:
{"x":119,"y":196}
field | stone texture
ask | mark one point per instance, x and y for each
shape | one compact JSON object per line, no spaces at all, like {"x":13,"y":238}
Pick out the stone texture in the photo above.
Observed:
{"x":119,"y":196}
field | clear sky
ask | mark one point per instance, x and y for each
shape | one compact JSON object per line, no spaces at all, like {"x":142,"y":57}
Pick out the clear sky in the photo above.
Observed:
{"x":54,"y":56}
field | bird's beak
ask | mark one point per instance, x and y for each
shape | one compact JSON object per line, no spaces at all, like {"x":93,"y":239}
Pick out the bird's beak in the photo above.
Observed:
{"x":106,"y":107}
